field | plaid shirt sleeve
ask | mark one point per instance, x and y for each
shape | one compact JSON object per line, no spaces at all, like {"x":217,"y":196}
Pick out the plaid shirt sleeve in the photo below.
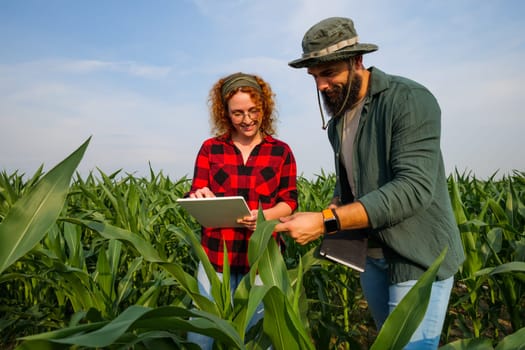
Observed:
{"x":202,"y":168}
{"x":267,"y":178}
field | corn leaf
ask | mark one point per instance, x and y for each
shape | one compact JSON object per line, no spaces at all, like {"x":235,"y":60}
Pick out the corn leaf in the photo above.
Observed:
{"x":272,"y":268}
{"x":125,"y":285}
{"x":259,"y":240}
{"x":281,"y":323}
{"x":113,"y":232}
{"x":514,"y":341}
{"x":406,"y":317}
{"x":469,"y":344}
{"x":514,"y":266}
{"x":35,"y":212}
{"x":138,"y":320}
{"x":102,"y":274}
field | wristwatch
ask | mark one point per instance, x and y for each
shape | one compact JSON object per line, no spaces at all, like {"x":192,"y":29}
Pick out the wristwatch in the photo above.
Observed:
{"x":331,"y":222}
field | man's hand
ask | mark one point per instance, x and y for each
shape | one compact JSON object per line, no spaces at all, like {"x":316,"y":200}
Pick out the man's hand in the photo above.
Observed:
{"x":303,"y":227}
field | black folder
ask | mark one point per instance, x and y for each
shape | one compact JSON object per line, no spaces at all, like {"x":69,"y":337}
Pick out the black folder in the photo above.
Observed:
{"x":347,"y":247}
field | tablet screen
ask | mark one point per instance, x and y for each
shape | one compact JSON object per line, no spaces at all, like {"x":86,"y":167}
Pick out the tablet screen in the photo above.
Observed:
{"x":216,"y":212}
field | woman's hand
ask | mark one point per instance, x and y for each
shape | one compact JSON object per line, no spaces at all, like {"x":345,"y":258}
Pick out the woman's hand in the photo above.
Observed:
{"x":249,"y":221}
{"x":204,"y":192}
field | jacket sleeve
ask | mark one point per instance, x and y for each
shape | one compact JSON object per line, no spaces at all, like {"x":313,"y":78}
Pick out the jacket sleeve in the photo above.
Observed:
{"x":413,"y":158}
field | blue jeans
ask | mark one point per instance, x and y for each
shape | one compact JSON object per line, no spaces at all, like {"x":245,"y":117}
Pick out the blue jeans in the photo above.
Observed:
{"x":383,"y":297}
{"x":204,"y":341}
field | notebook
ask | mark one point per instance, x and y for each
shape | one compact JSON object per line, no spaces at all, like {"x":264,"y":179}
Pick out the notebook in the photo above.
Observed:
{"x":347,"y":247}
{"x":216,"y":212}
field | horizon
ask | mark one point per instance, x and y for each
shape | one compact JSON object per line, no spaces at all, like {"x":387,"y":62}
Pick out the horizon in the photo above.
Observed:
{"x":136,"y":78}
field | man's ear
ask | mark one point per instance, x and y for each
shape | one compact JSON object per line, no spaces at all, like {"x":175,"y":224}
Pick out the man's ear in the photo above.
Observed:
{"x":358,"y":61}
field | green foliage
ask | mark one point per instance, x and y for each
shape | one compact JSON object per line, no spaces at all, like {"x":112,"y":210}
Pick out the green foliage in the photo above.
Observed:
{"x":490,"y":288}
{"x":32,"y":215}
{"x":404,"y":320}
{"x":110,"y":262}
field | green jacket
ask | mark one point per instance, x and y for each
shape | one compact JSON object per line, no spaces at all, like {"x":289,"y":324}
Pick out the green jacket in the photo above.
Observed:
{"x":400,"y":178}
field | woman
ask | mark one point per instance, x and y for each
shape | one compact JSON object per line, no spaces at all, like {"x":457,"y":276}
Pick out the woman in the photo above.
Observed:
{"x":242,"y":159}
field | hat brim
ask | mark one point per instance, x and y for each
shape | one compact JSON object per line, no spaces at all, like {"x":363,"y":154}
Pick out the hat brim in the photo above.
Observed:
{"x":344,"y":53}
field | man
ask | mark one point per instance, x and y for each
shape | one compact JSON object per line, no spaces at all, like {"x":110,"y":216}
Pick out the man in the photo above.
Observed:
{"x":385,"y":132}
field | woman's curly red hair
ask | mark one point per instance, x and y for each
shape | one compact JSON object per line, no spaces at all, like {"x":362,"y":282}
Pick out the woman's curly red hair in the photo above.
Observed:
{"x":220,"y":121}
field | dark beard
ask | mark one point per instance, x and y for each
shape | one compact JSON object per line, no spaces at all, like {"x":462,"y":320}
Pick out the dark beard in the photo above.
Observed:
{"x":338,"y":105}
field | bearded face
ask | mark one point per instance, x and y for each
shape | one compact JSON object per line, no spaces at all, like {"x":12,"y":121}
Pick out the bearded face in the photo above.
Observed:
{"x":338,"y":99}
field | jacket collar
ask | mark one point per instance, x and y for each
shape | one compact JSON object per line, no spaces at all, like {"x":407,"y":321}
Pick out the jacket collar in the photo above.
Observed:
{"x":378,"y":81}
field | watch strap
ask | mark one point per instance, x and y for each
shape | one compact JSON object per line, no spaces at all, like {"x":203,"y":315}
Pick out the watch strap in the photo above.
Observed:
{"x":330,"y":220}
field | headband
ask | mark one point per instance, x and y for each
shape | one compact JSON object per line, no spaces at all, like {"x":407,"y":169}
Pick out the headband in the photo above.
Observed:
{"x":238,"y":80}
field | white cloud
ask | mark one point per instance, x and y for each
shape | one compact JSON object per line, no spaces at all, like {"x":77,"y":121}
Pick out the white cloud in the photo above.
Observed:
{"x":83,"y":66}
{"x":131,"y":68}
{"x":43,"y":120}
{"x":139,"y":111}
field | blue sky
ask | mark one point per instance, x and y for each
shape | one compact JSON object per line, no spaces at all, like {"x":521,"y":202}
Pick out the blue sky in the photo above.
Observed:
{"x":135,"y":75}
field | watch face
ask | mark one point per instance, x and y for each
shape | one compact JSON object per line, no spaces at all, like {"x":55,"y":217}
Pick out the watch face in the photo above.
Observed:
{"x":330,"y":221}
{"x":330,"y":225}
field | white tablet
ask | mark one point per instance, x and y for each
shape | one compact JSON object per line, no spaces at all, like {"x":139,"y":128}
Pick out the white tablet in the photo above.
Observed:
{"x":216,"y":212}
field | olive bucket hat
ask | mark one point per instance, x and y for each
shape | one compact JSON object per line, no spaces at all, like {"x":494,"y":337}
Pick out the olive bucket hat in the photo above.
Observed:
{"x":332,"y":39}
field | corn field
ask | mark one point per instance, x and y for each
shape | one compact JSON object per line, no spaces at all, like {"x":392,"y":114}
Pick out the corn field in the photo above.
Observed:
{"x":107,"y":261}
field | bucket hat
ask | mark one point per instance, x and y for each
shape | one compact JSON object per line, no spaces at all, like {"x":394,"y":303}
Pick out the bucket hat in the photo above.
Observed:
{"x":332,"y":39}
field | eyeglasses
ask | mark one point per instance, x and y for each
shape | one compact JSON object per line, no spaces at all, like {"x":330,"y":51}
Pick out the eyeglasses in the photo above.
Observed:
{"x":252,"y":113}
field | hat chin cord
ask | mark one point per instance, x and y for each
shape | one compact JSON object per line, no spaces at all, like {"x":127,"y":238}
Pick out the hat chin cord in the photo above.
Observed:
{"x":350,"y":79}
{"x":324,"y":126}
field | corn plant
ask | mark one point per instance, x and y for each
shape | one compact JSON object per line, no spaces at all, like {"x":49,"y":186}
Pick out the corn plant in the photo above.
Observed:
{"x":282,"y":324}
{"x":491,"y":220}
{"x":114,"y":265}
{"x":282,"y":291}
{"x":337,"y":309}
{"x":210,"y":319}
{"x":33,"y":210}
{"x":32,"y":215}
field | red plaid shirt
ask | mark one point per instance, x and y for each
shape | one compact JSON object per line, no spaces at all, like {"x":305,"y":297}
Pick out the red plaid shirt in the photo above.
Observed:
{"x":269,"y":177}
